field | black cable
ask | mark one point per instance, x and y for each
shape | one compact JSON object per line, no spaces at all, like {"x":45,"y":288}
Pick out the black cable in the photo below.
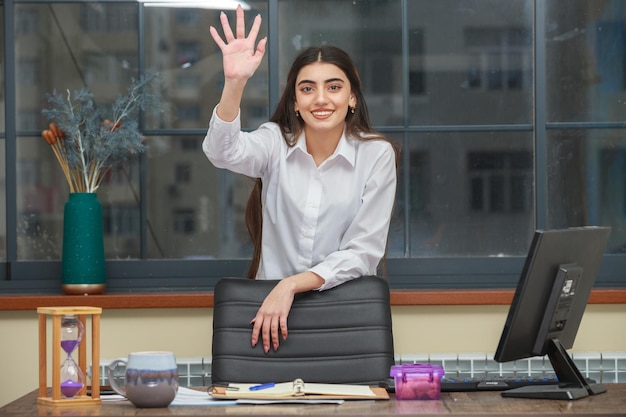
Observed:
{"x":67,"y":45}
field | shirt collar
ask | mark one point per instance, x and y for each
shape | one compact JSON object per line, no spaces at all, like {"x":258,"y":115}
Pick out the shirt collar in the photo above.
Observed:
{"x":346,"y":148}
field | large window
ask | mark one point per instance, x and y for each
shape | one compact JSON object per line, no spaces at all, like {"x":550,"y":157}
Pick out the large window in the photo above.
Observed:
{"x":509,"y":115}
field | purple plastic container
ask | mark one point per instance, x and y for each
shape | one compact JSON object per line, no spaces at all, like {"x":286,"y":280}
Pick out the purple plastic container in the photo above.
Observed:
{"x":417,"y":381}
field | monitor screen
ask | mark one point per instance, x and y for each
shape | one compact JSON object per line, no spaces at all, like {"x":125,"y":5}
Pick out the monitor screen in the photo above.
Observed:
{"x":548,"y":306}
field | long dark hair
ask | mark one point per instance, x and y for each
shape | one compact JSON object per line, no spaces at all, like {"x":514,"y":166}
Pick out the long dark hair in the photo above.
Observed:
{"x":291,"y":125}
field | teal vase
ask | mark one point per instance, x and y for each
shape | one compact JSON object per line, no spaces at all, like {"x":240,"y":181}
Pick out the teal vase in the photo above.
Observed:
{"x":83,"y":263}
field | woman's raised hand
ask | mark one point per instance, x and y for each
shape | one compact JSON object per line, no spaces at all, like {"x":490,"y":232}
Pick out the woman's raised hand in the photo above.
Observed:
{"x":241,"y":56}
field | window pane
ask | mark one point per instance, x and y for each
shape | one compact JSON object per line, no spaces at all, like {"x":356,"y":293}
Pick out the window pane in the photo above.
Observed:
{"x":367,"y":30}
{"x":587,"y":181}
{"x":474,"y":60}
{"x":471,"y":194}
{"x":119,"y":196}
{"x":194,"y":209}
{"x":179,"y":45}
{"x":41,"y":194}
{"x":66,"y":47}
{"x":70,"y":46}
{"x":585,"y":66}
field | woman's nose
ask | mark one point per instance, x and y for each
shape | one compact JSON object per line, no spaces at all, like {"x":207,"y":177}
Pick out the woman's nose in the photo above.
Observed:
{"x":320,"y":96}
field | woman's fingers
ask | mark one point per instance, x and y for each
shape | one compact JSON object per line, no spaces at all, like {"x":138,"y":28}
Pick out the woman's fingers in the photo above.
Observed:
{"x":216,"y":37}
{"x":283,"y":327}
{"x":261,"y":330}
{"x":270,"y":334}
{"x":240,"y":25}
{"x":270,"y":330}
{"x":256,"y":330}
{"x":229,"y":37}
{"x":256,"y":26}
{"x":228,"y":33}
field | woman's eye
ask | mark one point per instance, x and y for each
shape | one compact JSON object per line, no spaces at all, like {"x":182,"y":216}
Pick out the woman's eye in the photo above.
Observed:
{"x":306,"y":89}
{"x":334,"y":87}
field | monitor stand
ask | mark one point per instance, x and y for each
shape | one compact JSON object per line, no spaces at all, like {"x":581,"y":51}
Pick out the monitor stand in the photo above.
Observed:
{"x":572,"y":384}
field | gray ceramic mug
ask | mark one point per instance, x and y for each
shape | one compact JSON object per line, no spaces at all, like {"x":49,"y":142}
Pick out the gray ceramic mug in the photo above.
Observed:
{"x":151,"y":378}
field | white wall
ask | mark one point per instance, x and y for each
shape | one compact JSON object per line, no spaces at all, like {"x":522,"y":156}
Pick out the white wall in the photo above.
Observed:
{"x":187,"y":332}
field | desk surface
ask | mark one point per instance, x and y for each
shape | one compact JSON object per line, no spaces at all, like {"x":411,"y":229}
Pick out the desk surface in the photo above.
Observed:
{"x":613,"y":403}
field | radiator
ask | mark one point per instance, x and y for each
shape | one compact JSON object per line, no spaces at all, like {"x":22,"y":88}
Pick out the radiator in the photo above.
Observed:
{"x":604,"y":367}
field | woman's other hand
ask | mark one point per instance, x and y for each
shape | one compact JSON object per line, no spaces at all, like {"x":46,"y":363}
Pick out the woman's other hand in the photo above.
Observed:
{"x":271,"y":319}
{"x":270,"y":322}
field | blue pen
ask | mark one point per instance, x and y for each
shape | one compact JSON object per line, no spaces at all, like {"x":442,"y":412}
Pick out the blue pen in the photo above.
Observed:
{"x":262,"y":386}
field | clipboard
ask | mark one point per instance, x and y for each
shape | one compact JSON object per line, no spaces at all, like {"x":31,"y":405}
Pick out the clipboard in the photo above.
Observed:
{"x":298,"y":389}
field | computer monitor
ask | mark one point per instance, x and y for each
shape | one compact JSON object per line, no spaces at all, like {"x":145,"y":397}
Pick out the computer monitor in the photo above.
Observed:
{"x":548,"y":305}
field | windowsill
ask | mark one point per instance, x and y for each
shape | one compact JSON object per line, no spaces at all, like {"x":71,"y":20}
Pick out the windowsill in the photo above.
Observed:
{"x":205,"y":299}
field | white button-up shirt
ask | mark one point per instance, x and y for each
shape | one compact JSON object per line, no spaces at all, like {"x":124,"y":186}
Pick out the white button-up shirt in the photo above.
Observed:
{"x":332,"y":219}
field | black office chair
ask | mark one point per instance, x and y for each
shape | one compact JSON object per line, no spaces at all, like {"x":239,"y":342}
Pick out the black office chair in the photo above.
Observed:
{"x":341,"y":335}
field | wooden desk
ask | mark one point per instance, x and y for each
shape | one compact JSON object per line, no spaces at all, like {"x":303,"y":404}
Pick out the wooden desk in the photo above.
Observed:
{"x":611,"y":403}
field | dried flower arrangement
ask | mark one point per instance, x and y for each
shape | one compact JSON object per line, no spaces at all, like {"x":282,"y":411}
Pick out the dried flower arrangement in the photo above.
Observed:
{"x":86,"y":142}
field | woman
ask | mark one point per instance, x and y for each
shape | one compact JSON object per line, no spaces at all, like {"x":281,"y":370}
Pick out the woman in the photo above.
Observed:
{"x":326,"y":180}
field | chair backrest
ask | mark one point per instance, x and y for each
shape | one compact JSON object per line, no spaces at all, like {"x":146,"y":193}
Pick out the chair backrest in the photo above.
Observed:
{"x":341,"y":335}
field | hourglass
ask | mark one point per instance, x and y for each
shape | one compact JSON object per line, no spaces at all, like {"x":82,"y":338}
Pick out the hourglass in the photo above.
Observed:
{"x":69,"y":378}
{"x":72,"y":378}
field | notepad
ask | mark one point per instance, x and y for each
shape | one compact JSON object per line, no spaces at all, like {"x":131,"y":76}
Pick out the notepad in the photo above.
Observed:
{"x":300,"y":389}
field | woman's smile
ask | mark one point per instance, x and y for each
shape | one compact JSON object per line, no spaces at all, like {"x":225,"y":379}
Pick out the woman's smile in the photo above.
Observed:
{"x":322,"y":114}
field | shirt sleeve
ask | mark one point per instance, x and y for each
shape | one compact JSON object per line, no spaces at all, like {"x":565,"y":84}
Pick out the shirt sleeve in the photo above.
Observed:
{"x":247,"y":153}
{"x":365,"y":241}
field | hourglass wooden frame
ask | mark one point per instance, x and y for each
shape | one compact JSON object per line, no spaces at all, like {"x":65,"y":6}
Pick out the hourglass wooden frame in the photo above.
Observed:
{"x":57,"y":314}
